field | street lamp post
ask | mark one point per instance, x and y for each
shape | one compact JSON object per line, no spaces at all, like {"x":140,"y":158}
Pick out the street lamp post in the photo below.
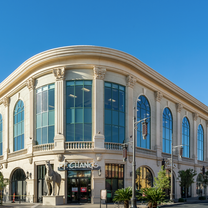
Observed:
{"x":133,"y":199}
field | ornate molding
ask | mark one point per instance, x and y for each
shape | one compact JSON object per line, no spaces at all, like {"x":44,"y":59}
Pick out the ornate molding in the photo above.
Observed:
{"x":30,"y":83}
{"x":99,"y":157}
{"x":130,"y":81}
{"x":158,"y":96}
{"x":5,"y":101}
{"x":195,"y":116}
{"x":99,"y":72}
{"x":59,"y":73}
{"x":30,"y":160}
{"x":179,"y":107}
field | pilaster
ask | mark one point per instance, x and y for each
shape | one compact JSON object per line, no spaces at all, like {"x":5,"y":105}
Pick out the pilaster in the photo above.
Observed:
{"x":194,"y":143}
{"x":179,"y":107}
{"x":158,"y":147}
{"x":6,"y":129}
{"x":98,"y":107}
{"x":59,"y":139}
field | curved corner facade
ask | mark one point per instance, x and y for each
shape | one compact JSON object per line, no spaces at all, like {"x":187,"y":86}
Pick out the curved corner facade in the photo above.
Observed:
{"x":75,"y":106}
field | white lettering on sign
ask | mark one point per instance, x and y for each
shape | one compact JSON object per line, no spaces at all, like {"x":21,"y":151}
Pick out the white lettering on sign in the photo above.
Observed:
{"x":76,"y":165}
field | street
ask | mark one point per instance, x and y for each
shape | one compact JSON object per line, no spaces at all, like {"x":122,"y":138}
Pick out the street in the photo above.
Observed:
{"x":189,"y":205}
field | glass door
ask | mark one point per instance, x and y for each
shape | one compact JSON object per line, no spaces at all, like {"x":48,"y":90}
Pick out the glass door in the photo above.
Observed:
{"x":74,"y":190}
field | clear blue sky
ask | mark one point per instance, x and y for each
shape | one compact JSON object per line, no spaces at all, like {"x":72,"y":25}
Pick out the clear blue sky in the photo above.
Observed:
{"x":171,"y":36}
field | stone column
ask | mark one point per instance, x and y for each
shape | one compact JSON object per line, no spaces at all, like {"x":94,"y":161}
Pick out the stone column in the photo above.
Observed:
{"x":178,"y":127}
{"x":30,"y":86}
{"x":194,"y":143}
{"x":59,"y":139}
{"x":158,"y":146}
{"x":98,"y":107}
{"x":6,"y":130}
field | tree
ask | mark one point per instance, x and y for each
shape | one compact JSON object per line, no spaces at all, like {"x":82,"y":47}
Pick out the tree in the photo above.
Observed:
{"x":3,"y":184}
{"x":186,"y":178}
{"x":162,"y":181}
{"x":124,"y":195}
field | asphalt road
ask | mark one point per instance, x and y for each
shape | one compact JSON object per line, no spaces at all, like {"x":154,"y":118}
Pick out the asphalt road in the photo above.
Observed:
{"x":189,"y":205}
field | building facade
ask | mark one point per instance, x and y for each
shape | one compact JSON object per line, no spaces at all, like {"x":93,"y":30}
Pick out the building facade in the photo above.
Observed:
{"x":75,"y":106}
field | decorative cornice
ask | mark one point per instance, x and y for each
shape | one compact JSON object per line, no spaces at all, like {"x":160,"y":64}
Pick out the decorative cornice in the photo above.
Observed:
{"x":30,"y":83}
{"x":130,"y":81}
{"x":5,"y":101}
{"x":195,"y":116}
{"x":99,"y":72}
{"x":158,"y":96}
{"x":59,"y":73}
{"x":179,"y":107}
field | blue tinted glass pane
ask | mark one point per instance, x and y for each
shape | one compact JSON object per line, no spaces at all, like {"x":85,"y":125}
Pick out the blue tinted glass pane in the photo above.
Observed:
{"x":121,"y":101}
{"x":115,"y":134}
{"x":114,"y":99}
{"x":18,"y":142}
{"x":39,"y":116}
{"x":18,"y":117}
{"x":87,"y":96}
{"x":45,"y":88}
{"x":51,"y":99}
{"x":69,"y":83}
{"x":107,"y":116}
{"x":121,"y":88}
{"x":0,"y":137}
{"x":87,"y":82}
{"x":44,"y":135}
{"x":79,"y":115}
{"x":78,"y":132}
{"x":38,"y":136}
{"x":19,"y":128}
{"x":1,"y":149}
{"x":115,"y":86}
{"x":15,"y":143}
{"x":107,"y":133}
{"x":51,"y":118}
{"x":15,"y":130}
{"x":45,"y":101}
{"x":22,"y":123}
{"x":51,"y":86}
{"x":70,"y":116}
{"x":78,"y":96}
{"x":121,"y":135}
{"x":39,"y":90}
{"x":108,"y":98}
{"x":50,"y":134}
{"x":107,"y":84}
{"x":78,"y":82}
{"x":39,"y":103}
{"x":70,"y":132}
{"x":87,"y":132}
{"x":22,"y":115}
{"x":88,"y":115}
{"x":22,"y":141}
{"x":44,"y":119}
{"x":121,"y":119}
{"x":70,"y":96}
{"x":115,"y":117}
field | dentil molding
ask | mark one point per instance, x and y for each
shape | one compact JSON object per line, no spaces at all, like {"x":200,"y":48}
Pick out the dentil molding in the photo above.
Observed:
{"x":59,"y":73}
{"x":130,"y":81}
{"x":99,"y":72}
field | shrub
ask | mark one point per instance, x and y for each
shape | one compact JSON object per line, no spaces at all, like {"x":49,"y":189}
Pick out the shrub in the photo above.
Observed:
{"x":202,"y":198}
{"x":181,"y":200}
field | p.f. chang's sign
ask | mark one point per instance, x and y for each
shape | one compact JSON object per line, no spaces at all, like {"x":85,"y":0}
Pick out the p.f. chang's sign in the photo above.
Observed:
{"x":78,"y":166}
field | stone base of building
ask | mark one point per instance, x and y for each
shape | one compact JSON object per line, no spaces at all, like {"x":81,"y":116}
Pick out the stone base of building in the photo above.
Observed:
{"x":53,"y":200}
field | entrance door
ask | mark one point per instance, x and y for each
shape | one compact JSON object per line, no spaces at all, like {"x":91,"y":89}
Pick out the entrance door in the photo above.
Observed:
{"x":79,"y":190}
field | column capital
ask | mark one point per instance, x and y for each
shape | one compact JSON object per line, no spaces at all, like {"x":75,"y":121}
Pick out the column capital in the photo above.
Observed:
{"x":195,"y":116}
{"x":99,"y":72}
{"x":30,"y":83}
{"x":59,"y":73}
{"x":130,"y":81}
{"x":158,"y":96}
{"x":179,"y":107}
{"x":5,"y":101}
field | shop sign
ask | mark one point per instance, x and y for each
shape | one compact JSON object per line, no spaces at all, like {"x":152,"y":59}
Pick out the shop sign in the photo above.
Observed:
{"x":83,"y":189}
{"x":78,"y":166}
{"x":103,"y":194}
{"x":74,"y":189}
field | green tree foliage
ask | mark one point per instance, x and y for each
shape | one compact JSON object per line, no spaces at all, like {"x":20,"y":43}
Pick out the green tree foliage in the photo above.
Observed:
{"x":123,"y":195}
{"x":186,"y":178}
{"x":3,"y":184}
{"x":162,"y":181}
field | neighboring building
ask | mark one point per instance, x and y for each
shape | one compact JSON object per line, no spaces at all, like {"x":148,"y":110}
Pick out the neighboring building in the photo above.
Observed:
{"x":75,"y":106}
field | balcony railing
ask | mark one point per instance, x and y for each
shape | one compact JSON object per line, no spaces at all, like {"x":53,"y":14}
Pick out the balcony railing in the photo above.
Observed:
{"x":113,"y":146}
{"x":79,"y":145}
{"x":43,"y":147}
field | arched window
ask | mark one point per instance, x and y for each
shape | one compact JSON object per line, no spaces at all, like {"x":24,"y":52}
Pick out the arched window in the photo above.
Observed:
{"x":200,"y":143}
{"x":19,"y":126}
{"x":45,"y":114}
{"x":143,"y":111}
{"x":1,"y":135}
{"x":167,"y":130}
{"x":186,"y":137}
{"x":144,"y":178}
{"x":18,"y":185}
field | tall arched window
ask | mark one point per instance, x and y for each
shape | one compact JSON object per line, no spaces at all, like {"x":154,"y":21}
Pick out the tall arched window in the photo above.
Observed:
{"x":186,"y":137}
{"x":19,"y":126}
{"x":143,"y":111}
{"x":1,"y":135}
{"x":167,"y":130}
{"x":200,"y":143}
